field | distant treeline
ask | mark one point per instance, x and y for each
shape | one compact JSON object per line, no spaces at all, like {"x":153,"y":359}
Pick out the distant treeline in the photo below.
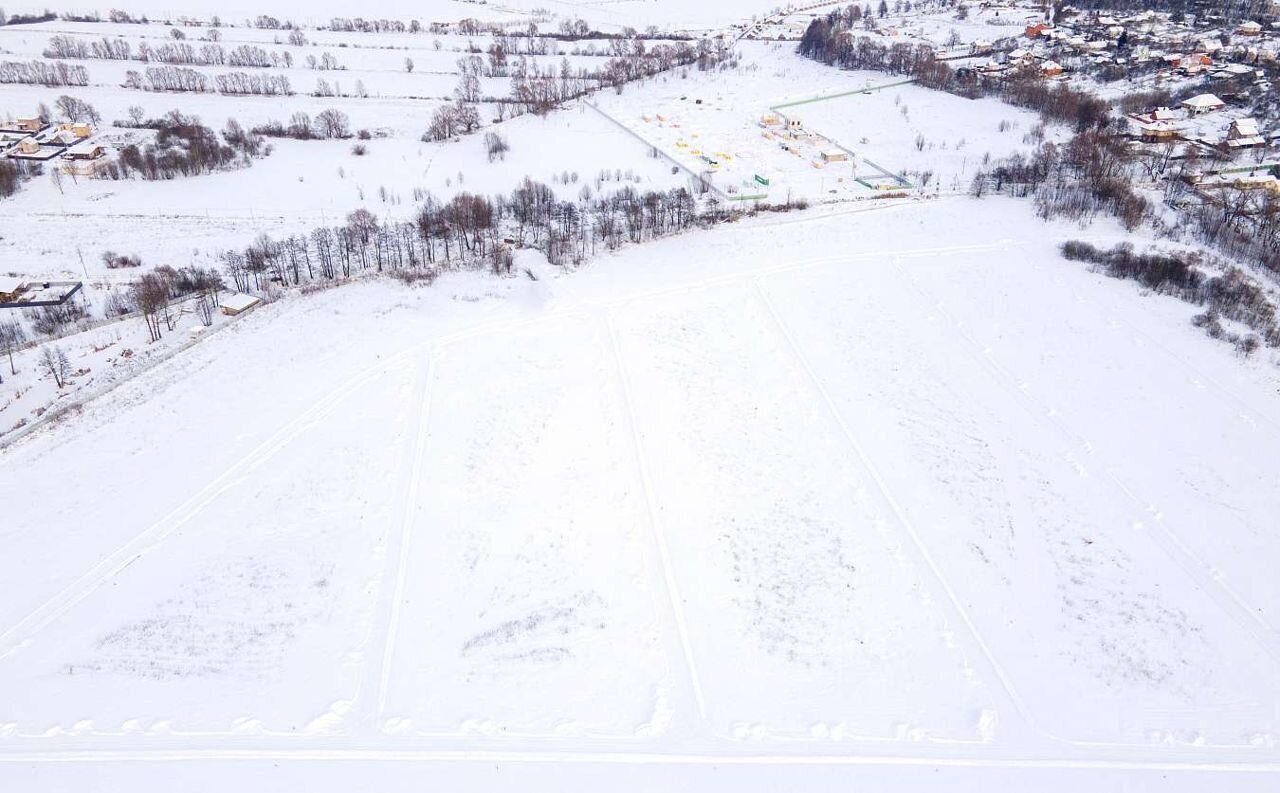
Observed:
{"x":1233,"y":295}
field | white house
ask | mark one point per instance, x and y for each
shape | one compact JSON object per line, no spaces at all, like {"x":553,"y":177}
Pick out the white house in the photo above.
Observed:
{"x":1203,"y":103}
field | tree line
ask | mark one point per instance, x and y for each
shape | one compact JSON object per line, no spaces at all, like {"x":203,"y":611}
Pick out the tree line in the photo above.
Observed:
{"x":51,"y":75}
{"x":469,"y":230}
{"x":176,"y":53}
{"x":1232,"y":295}
{"x":181,"y":79}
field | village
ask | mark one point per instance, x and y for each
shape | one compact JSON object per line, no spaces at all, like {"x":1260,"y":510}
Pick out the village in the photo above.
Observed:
{"x":34,"y":140}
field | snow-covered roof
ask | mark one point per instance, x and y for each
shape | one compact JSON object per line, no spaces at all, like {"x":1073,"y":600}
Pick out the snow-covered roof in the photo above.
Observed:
{"x":1246,"y":126}
{"x":84,"y":148}
{"x":1201,"y":101}
{"x":239,"y":301}
{"x":9,"y":283}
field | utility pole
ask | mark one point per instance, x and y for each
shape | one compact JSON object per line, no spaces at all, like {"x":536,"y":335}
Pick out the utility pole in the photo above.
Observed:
{"x":82,"y":265}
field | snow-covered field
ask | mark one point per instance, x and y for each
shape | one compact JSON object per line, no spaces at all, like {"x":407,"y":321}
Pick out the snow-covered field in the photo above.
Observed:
{"x":607,"y":15}
{"x":883,"y":497}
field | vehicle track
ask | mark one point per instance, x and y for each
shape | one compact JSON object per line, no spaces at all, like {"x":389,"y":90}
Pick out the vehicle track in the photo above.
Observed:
{"x":655,"y":523}
{"x":154,"y":536}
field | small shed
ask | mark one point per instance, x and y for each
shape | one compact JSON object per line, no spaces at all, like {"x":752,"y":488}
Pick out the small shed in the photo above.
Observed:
{"x":834,"y":155}
{"x":237,"y":303}
{"x":10,"y":287}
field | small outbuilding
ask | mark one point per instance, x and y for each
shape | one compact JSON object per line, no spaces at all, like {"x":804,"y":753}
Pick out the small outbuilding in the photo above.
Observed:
{"x":237,"y":303}
{"x":834,"y":155}
{"x":10,"y":288}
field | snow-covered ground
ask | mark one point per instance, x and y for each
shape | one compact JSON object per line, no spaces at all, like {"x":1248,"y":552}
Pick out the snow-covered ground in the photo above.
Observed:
{"x":887,"y":496}
{"x":606,"y":15}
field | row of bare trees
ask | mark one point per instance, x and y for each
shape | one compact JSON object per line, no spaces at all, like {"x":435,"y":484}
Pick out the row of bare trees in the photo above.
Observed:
{"x":469,"y":230}
{"x":155,"y":294}
{"x":51,"y":75}
{"x":181,"y":79}
{"x":174,"y":53}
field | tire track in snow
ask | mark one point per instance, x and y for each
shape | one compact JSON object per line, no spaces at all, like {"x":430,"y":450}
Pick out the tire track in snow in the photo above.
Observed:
{"x":898,"y":511}
{"x":408,"y":520}
{"x":659,"y":536}
{"x":155,"y":535}
{"x":1191,"y":564}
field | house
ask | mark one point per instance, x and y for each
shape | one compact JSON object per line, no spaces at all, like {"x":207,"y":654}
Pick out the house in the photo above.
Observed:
{"x":1202,"y":103}
{"x":1249,"y":29}
{"x":10,"y":288}
{"x":1034,"y":31}
{"x":1158,"y":131}
{"x":79,"y":130}
{"x":834,"y":155}
{"x":237,"y":303}
{"x":1051,"y":69}
{"x":1244,"y":133}
{"x":26,"y":125}
{"x":84,"y":159}
{"x":86,"y":150}
{"x":1019,"y":57}
{"x":31,"y":149}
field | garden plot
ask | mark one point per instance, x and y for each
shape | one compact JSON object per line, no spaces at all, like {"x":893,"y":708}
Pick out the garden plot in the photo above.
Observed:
{"x":262,"y":590}
{"x":788,"y":559}
{"x":743,"y":156}
{"x":1061,"y":572}
{"x":726,"y":127}
{"x":914,"y":130}
{"x":531,"y":603}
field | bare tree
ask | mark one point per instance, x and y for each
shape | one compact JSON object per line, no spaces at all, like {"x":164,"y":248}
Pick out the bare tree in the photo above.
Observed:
{"x":150,"y":294}
{"x":12,"y":336}
{"x":73,"y":109}
{"x":496,"y":146}
{"x":204,"y":309}
{"x":53,"y":359}
{"x":332,"y":123}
